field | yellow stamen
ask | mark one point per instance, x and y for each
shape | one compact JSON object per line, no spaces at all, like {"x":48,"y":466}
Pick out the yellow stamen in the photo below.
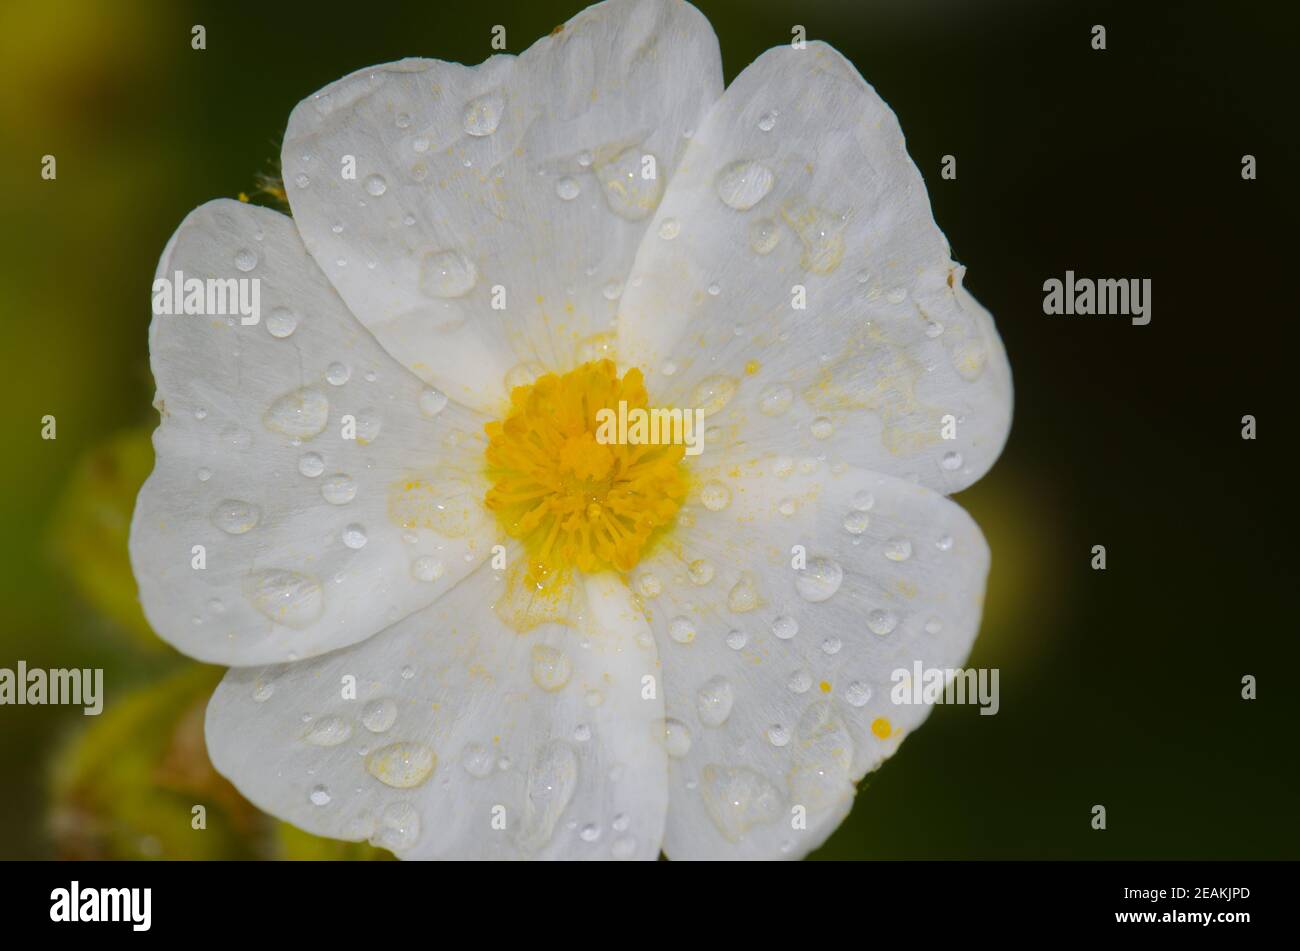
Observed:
{"x":574,"y":502}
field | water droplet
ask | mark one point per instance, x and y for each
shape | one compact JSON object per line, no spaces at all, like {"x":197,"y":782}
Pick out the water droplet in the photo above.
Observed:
{"x":476,"y":760}
{"x":944,"y":543}
{"x":897,"y":295}
{"x":822,"y":237}
{"x":401,"y":765}
{"x":822,"y":428}
{"x":767,"y":121}
{"x":399,"y":827}
{"x":933,"y":626}
{"x":778,"y":735}
{"x":951,"y":461}
{"x":328,"y":731}
{"x":552,"y":779}
{"x":715,"y":495}
{"x":523,"y":374}
{"x":245,"y":259}
{"x":354,"y":536}
{"x":447,"y":274}
{"x":629,"y":193}
{"x":882,"y":622}
{"x":301,"y":414}
{"x":567,"y":188}
{"x":855,"y":523}
{"x":743,"y":596}
{"x":713,"y":393}
{"x":857,"y":694}
{"x":786,"y":506}
{"x":832,"y":645}
{"x":483,"y":115}
{"x":338,"y":489}
{"x":785,"y":627}
{"x":320,"y":796}
{"x":764,"y":236}
{"x":551,"y":667}
{"x":681,"y":630}
{"x":799,"y":682}
{"x":649,"y":584}
{"x":281,"y":322}
{"x":898,"y":549}
{"x":263,"y":691}
{"x":775,"y":400}
{"x":737,"y":640}
{"x":700,"y":571}
{"x":369,"y":424}
{"x":235,"y":517}
{"x":432,"y":402}
{"x":863,"y":500}
{"x":669,"y":228}
{"x":582,"y":733}
{"x":677,"y":738}
{"x":426,"y":568}
{"x":379,"y":715}
{"x":933,"y":329}
{"x":714,"y":701}
{"x":403,"y":120}
{"x":311,"y":464}
{"x":376,"y":185}
{"x":584,"y":159}
{"x":338,"y":373}
{"x":301,"y":180}
{"x":819,"y":580}
{"x":737,"y":799}
{"x":743,"y":184}
{"x":589,"y":832}
{"x":286,"y":597}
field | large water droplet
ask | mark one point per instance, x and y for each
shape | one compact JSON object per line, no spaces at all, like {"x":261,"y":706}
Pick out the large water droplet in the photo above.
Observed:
{"x":567,"y":188}
{"x":432,"y":402}
{"x":328,"y":731}
{"x":235,"y":517}
{"x":881,"y":621}
{"x":551,"y":781}
{"x":898,"y":549}
{"x":398,"y":828}
{"x":483,"y":115}
{"x":551,"y":667}
{"x":286,"y":597}
{"x":401,"y":765}
{"x":338,"y":489}
{"x":714,"y":701}
{"x":681,"y":630}
{"x":713,"y":393}
{"x":764,"y":236}
{"x":737,"y":799}
{"x":819,"y":580}
{"x":715,"y":495}
{"x":447,"y":274}
{"x":281,"y":322}
{"x":677,"y":738}
{"x":477,"y":760}
{"x":743,"y":596}
{"x":743,"y":184}
{"x":301,"y":414}
{"x":632,"y":184}
{"x":379,"y":715}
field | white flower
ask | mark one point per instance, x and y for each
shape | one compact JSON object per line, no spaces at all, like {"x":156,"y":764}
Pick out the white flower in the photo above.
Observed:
{"x":707,"y":673}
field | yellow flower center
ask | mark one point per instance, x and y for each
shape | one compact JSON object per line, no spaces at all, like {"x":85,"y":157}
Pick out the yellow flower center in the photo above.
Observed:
{"x":573,"y":499}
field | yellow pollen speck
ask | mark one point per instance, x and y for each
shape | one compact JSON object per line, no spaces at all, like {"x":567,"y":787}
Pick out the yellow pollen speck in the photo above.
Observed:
{"x":825,"y":686}
{"x":751,"y":367}
{"x":575,"y":500}
{"x":880,"y":726}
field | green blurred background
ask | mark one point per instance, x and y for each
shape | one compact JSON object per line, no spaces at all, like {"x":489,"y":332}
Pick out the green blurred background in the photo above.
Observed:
{"x":1119,"y":687}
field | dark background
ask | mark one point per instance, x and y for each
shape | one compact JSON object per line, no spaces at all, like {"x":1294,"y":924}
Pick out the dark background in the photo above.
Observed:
{"x":1119,"y":687}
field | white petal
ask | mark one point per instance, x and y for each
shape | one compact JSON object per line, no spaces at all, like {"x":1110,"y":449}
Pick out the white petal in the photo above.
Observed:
{"x":477,"y":726}
{"x":797,"y":179}
{"x":775,"y":676}
{"x":523,"y":175}
{"x":302,"y":549}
